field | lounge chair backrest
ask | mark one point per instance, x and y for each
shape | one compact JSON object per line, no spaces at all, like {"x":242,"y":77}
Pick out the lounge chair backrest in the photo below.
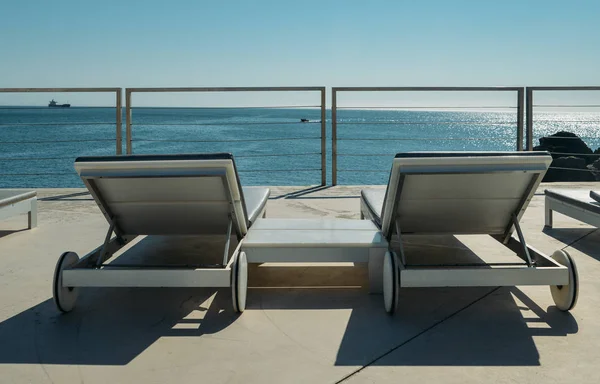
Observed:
{"x":460,"y":192}
{"x":167,"y":194}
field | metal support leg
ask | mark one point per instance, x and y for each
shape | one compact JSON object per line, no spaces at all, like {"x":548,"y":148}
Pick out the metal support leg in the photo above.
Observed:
{"x":105,"y":245}
{"x":32,"y":215}
{"x":227,"y":241}
{"x":399,"y":234}
{"x":548,"y":213}
{"x":524,"y":248}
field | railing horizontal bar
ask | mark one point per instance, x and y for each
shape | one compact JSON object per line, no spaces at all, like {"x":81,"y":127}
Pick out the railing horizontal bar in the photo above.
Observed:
{"x":574,"y":154}
{"x":567,"y":105}
{"x":281,"y":170}
{"x":566,"y":121}
{"x":365,"y":154}
{"x":431,"y":107}
{"x":65,"y":123}
{"x":223,"y":124}
{"x":239,"y":170}
{"x":55,"y":109}
{"x":228,"y":141}
{"x":337,"y":89}
{"x":35,"y":158}
{"x":39,"y":174}
{"x":240,"y":107}
{"x":279,"y":155}
{"x":425,"y":123}
{"x":568,"y":138}
{"x":17,"y":90}
{"x":573,"y":169}
{"x":567,"y":88}
{"x":54,"y":141}
{"x":237,"y":156}
{"x":223,"y":89}
{"x":363,"y":170}
{"x":416,"y":138}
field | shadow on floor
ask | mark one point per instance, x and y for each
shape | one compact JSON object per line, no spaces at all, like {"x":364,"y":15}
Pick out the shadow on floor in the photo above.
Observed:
{"x":480,"y":326}
{"x":68,"y":197}
{"x":111,"y":326}
{"x":485,"y":328}
{"x":585,"y":240}
{"x":4,"y":233}
{"x":433,"y":327}
{"x":300,"y":192}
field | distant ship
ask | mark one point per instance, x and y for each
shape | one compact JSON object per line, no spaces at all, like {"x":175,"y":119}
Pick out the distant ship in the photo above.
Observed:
{"x":304,"y":120}
{"x":53,"y":104}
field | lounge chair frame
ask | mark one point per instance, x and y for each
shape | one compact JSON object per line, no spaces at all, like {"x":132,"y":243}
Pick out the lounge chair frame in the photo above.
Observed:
{"x":93,"y":270}
{"x":536,"y":269}
{"x":557,"y":271}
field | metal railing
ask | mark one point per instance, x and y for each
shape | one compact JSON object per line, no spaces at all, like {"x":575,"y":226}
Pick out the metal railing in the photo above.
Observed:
{"x":118,"y":107}
{"x":530,"y":106}
{"x":574,"y":125}
{"x":322,"y":137}
{"x":519,"y":107}
{"x":24,"y":140}
{"x":23,"y":135}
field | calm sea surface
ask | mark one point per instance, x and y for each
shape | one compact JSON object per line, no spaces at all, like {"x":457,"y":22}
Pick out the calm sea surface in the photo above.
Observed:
{"x":271,"y":146}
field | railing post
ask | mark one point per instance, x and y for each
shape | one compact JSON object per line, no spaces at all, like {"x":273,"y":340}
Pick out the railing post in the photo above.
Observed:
{"x":128,"y":120}
{"x":333,"y":136}
{"x":520,"y":110}
{"x":323,"y":139}
{"x":119,"y":122}
{"x":529,"y":117}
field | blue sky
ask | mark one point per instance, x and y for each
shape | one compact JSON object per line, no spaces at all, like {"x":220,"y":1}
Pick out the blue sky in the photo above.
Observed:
{"x":303,"y":43}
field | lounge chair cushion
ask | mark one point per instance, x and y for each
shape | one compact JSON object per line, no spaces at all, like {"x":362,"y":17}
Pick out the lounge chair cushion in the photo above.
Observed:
{"x":578,"y":198}
{"x":256,"y":200}
{"x":595,"y":195}
{"x":373,"y":201}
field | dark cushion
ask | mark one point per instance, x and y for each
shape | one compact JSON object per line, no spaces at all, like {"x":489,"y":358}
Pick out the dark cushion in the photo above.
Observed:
{"x":403,"y":155}
{"x":155,"y":157}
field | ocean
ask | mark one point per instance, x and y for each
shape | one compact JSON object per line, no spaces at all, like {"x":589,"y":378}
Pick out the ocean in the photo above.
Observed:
{"x":271,"y":145}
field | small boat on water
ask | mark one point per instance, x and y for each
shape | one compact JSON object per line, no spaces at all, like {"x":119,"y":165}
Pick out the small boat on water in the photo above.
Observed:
{"x":304,"y":120}
{"x":55,"y":105}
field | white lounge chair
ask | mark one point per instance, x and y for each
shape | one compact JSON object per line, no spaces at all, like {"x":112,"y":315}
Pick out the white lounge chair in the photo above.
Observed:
{"x":15,"y":202}
{"x":163,"y":195}
{"x":456,"y":193}
{"x":578,"y":204}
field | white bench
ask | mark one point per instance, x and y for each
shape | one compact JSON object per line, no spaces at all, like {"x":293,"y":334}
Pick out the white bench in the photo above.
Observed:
{"x":577,"y":204}
{"x":318,"y":241}
{"x":15,"y":202}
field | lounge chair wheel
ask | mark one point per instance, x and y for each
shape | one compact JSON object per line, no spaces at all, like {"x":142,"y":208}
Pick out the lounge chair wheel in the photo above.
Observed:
{"x":239,"y":282}
{"x":391,"y":283}
{"x":565,"y":296}
{"x":64,"y":297}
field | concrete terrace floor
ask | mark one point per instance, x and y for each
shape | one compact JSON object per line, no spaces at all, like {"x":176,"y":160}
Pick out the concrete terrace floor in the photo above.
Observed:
{"x":327,"y":331}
